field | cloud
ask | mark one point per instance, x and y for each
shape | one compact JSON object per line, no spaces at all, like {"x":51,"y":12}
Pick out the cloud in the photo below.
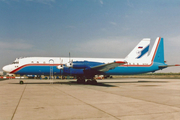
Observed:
{"x":17,"y":45}
{"x":70,"y":26}
{"x":47,"y":2}
{"x":113,"y":23}
{"x":5,"y":1}
{"x":112,"y":46}
{"x":129,"y":3}
{"x":101,"y":2}
{"x":174,"y":41}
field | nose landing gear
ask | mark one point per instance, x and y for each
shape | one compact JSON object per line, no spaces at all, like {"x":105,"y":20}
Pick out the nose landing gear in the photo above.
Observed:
{"x":21,"y":82}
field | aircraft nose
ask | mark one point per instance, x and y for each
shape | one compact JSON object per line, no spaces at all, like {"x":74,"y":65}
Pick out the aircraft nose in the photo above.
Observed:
{"x":6,"y":69}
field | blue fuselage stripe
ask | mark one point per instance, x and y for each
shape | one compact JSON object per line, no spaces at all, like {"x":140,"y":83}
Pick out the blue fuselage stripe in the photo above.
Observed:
{"x":121,"y":70}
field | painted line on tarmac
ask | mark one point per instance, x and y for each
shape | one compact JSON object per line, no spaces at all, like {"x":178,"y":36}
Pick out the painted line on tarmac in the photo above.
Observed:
{"x":18,"y":102}
{"x":88,"y":104}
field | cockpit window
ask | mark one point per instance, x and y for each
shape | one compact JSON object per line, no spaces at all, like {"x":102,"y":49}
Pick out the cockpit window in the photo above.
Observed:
{"x":15,"y":62}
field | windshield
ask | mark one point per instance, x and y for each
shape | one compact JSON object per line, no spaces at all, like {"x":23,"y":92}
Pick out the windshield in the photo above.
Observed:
{"x":15,"y":62}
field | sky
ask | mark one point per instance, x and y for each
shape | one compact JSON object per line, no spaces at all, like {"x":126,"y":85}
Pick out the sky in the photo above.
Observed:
{"x":87,"y":28}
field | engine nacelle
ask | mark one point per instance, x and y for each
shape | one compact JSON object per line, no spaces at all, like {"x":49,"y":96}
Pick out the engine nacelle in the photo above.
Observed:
{"x":80,"y":65}
{"x":85,"y":64}
{"x":60,"y":67}
{"x":69,"y":64}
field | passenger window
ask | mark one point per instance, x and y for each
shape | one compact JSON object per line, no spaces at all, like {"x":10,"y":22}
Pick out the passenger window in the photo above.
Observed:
{"x":32,"y":62}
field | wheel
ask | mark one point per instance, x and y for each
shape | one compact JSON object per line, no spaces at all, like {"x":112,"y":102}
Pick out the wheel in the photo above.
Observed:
{"x":88,"y":82}
{"x":81,"y":81}
{"x":94,"y":82}
{"x":21,"y":82}
{"x":91,"y":82}
{"x":78,"y":81}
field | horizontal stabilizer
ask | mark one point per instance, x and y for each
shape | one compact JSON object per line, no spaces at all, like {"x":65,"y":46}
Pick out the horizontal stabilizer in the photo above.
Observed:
{"x":165,"y":66}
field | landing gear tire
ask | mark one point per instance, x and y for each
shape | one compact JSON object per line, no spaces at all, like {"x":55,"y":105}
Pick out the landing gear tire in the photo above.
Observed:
{"x":94,"y":82}
{"x":81,"y":81}
{"x":88,"y":82}
{"x":21,"y":82}
{"x":91,"y":82}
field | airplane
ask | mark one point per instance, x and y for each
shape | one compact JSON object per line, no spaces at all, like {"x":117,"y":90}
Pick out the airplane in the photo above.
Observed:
{"x":138,"y":61}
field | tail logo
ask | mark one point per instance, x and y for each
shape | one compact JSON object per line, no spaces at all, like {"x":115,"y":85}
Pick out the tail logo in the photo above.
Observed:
{"x":142,"y":52}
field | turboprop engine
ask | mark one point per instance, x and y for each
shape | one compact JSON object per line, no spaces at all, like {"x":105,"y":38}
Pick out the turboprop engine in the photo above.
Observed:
{"x":85,"y":64}
{"x":79,"y":65}
{"x":60,"y":67}
{"x":69,"y":64}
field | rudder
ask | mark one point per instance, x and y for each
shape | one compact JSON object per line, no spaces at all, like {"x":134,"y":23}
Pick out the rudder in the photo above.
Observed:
{"x":157,"y":53}
{"x":159,"y":57}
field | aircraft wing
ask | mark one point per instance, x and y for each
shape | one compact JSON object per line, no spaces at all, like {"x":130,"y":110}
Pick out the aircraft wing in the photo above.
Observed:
{"x":165,"y":66}
{"x":108,"y":66}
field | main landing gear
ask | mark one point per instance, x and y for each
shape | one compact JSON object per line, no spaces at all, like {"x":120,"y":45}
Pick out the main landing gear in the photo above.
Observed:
{"x":81,"y":80}
{"x":92,"y":82}
{"x":89,"y":81}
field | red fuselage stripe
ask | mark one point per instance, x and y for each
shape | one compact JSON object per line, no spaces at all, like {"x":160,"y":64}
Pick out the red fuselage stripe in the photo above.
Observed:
{"x":17,"y":69}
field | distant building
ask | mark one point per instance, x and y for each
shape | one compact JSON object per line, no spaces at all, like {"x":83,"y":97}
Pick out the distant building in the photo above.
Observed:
{"x":5,"y":74}
{"x":1,"y":73}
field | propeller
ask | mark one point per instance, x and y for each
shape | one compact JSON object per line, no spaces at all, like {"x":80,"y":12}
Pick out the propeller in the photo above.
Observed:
{"x":70,"y":63}
{"x":61,"y":66}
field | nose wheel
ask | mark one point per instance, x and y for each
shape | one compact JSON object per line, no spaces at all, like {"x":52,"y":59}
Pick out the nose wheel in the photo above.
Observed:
{"x":21,"y":82}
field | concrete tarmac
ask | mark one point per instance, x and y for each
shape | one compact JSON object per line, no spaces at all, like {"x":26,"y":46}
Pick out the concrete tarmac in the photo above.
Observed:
{"x":113,"y":99}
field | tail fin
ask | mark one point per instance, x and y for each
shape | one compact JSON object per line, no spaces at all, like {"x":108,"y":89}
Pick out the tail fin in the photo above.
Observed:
{"x":140,"y":51}
{"x":157,"y":53}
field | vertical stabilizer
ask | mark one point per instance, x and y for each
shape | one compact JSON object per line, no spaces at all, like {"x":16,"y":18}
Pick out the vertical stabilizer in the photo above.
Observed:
{"x":157,"y":53}
{"x":140,"y":51}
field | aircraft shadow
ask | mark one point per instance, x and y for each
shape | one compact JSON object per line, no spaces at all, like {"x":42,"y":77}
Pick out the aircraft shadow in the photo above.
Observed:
{"x":68,"y":83}
{"x":101,"y":84}
{"x":139,"y":82}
